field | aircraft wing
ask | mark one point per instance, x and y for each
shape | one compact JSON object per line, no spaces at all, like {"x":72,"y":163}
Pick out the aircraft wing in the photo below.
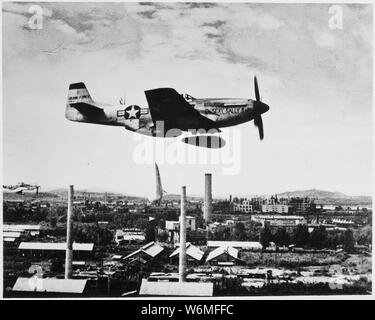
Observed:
{"x":88,"y":109}
{"x":167,"y":105}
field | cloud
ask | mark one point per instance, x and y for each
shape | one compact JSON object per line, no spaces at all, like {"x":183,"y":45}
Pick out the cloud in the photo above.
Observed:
{"x":326,"y":39}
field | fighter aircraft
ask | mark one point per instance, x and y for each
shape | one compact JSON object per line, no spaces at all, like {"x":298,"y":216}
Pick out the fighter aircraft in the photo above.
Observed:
{"x":169,"y":114}
{"x":20,"y":187}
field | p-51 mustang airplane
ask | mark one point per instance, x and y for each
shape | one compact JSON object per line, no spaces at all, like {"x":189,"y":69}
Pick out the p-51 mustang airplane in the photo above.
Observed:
{"x":21,"y":187}
{"x":169,"y":113}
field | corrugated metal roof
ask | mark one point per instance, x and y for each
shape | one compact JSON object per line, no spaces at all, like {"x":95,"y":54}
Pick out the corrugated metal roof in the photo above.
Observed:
{"x":36,"y":284}
{"x":55,"y":246}
{"x":191,"y":250}
{"x":236,"y":244}
{"x":154,"y":288}
{"x":152,"y":249}
{"x":233,"y":252}
{"x":9,"y":239}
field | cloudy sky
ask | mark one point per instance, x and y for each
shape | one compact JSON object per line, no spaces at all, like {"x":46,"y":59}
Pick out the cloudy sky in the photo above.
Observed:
{"x":317,"y":82}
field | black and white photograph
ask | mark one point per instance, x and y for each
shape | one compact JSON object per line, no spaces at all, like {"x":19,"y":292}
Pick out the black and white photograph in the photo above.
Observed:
{"x":192,"y":150}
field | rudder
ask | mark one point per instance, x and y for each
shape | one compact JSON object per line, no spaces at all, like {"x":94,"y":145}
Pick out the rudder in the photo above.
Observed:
{"x":79,"y":93}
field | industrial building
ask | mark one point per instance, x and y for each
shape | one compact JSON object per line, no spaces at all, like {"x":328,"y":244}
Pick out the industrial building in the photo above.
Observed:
{"x":279,"y":220}
{"x":32,"y":229}
{"x":194,"y":255}
{"x":129,"y":236}
{"x":145,"y":253}
{"x":55,"y":249}
{"x":243,"y":245}
{"x":51,"y":286}
{"x":223,"y":256}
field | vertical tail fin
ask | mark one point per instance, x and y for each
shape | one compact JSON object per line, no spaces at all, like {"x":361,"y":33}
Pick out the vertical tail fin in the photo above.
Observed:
{"x":78,"y":93}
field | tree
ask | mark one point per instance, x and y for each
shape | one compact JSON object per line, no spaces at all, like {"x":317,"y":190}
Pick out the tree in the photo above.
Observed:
{"x":363,"y":236}
{"x":348,"y":240}
{"x":163,"y":236}
{"x":282,"y":237}
{"x":266,"y":236}
{"x":150,"y":231}
{"x":253,"y":230}
{"x":301,"y":235}
{"x":238,"y":232}
{"x":318,"y":237}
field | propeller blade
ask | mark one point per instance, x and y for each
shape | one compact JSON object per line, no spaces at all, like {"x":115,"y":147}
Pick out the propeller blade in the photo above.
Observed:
{"x":258,"y":122}
{"x":256,"y":88}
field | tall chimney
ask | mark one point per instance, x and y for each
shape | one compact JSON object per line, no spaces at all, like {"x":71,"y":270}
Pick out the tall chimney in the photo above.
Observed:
{"x":207,"y":198}
{"x":69,"y":240}
{"x":182,"y":262}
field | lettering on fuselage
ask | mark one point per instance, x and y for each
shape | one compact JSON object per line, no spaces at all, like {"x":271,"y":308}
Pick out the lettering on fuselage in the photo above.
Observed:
{"x":226,"y":110}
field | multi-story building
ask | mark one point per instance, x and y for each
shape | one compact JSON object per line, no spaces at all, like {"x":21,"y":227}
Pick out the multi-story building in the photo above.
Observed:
{"x":302,"y":205}
{"x":279,"y":220}
{"x":244,"y":205}
{"x":277,"y":208}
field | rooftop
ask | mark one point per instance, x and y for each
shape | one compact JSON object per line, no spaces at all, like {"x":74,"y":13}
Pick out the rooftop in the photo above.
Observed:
{"x":233,"y":252}
{"x":55,"y":246}
{"x":191,"y":250}
{"x":152,"y":249}
{"x":36,"y":284}
{"x":154,"y":288}
{"x":236,"y":244}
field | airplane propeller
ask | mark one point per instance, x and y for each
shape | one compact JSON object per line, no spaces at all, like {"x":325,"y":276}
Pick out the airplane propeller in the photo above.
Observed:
{"x":259,"y":108}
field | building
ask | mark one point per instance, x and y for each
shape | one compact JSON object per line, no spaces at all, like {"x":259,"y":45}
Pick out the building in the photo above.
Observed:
{"x":166,"y":288}
{"x":145,"y":253}
{"x":302,"y":205}
{"x":33,"y":229}
{"x":194,"y":255}
{"x":131,"y":235}
{"x":55,"y":249}
{"x":279,"y":220}
{"x":173,"y":228}
{"x":175,"y":225}
{"x":243,"y":245}
{"x":277,"y":208}
{"x":244,"y":205}
{"x":223,"y":256}
{"x":50,"y":285}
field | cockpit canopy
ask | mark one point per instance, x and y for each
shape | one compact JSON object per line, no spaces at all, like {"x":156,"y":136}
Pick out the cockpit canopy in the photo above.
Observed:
{"x":188,"y":97}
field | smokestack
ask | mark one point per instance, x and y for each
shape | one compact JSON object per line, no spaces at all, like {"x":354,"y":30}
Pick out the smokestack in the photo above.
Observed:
{"x":69,"y":240}
{"x":207,"y":198}
{"x":182,"y":262}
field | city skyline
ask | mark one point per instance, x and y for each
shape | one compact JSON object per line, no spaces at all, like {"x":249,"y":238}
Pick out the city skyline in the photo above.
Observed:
{"x":317,"y":131}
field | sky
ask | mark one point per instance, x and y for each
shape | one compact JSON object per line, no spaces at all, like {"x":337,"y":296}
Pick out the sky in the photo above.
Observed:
{"x":316,"y":80}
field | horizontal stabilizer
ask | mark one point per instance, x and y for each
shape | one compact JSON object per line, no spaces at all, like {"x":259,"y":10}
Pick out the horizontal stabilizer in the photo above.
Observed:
{"x":88,"y":109}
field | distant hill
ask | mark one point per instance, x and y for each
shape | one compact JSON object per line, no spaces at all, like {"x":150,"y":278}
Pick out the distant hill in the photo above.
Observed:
{"x":314,"y":193}
{"x":177,"y":197}
{"x":329,"y":197}
{"x":62,"y":194}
